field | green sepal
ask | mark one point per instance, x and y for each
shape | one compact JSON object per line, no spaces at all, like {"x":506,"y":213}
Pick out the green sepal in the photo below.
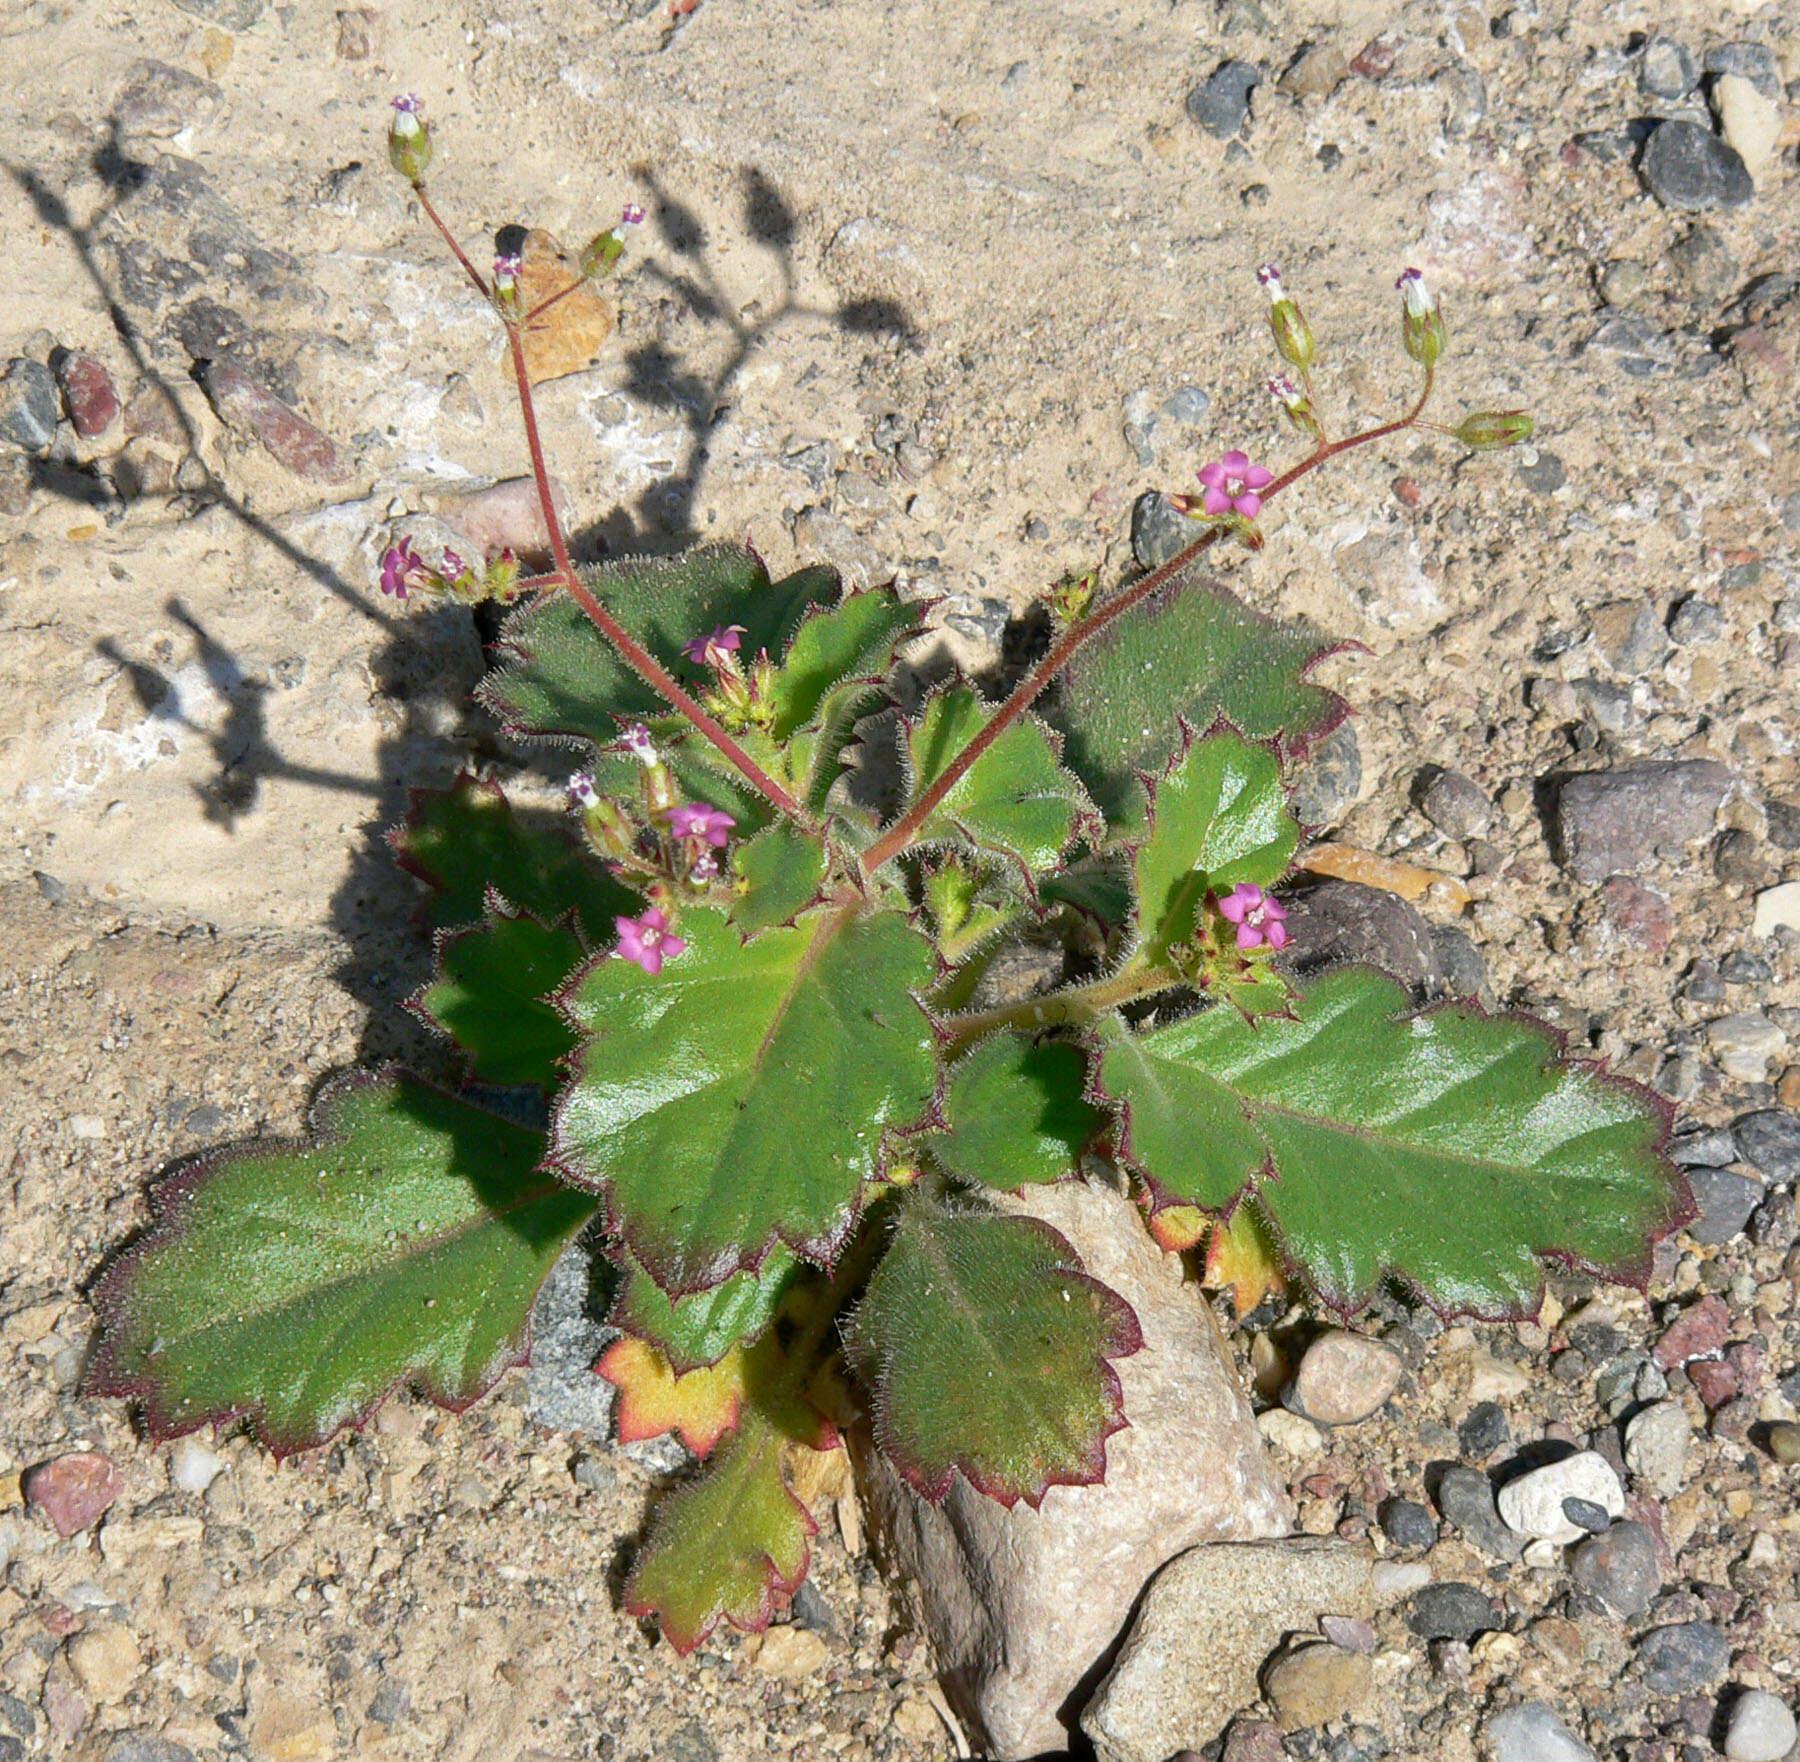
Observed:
{"x":564,"y":681}
{"x":732,"y":1545}
{"x":1451,"y":1149}
{"x":780,"y":871}
{"x":1015,"y":1112}
{"x":491,"y":993}
{"x":696,"y":1331}
{"x":1191,"y":653}
{"x":743,"y":1095}
{"x":299,"y":1284}
{"x":466,"y":839}
{"x":1218,"y":817}
{"x":984,"y":1348}
{"x":1016,"y":801}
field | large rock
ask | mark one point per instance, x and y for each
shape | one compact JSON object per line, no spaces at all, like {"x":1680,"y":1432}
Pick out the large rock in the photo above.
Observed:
{"x":1023,"y":1606}
{"x":1209,"y":1622}
{"x":1619,"y":822}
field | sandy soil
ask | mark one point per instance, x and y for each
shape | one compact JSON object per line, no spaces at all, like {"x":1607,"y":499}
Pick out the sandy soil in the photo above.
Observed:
{"x":915,"y":280}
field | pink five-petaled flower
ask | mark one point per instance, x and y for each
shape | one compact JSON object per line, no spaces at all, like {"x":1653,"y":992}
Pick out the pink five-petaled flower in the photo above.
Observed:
{"x":647,"y":941}
{"x":1232,"y":485}
{"x":402,"y":569}
{"x":713,"y":825}
{"x":716,"y":649}
{"x":1259,"y":918}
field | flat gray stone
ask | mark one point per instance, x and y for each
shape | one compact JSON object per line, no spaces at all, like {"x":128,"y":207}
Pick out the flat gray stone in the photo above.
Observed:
{"x":1619,"y":822}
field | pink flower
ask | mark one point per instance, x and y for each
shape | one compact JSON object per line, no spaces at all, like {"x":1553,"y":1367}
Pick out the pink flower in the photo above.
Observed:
{"x":633,"y":215}
{"x":636,"y":741}
{"x":408,"y":103}
{"x":402,"y":568}
{"x":453,"y":565}
{"x":711,"y":824}
{"x":1259,"y":918}
{"x":1232,"y":484}
{"x":716,"y":649}
{"x":582,"y":793}
{"x":1270,"y":277}
{"x":647,"y":941}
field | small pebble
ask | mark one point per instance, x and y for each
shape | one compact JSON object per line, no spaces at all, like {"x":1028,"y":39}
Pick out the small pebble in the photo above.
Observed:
{"x":1619,"y":1568}
{"x":1684,"y":1658}
{"x":1770,"y":1143}
{"x":1221,"y":103}
{"x":1697,"y":1331}
{"x":1484,"y":1432}
{"x":1696,"y":621}
{"x":1408,"y":1524}
{"x":1531,"y":1732}
{"x":1726,"y":1201}
{"x":1317,"y":1683}
{"x":1345,"y":1377}
{"x":1532,"y":1505}
{"x":1451,"y":1611}
{"x":1656,"y":1447}
{"x":1159,"y":530}
{"x":1689,"y":168}
{"x":252,"y":409}
{"x":1784,"y":1442}
{"x":74,"y":1491}
{"x":1457,"y":805}
{"x":88,"y":390}
{"x":27,"y":405}
{"x":1622,"y":283}
{"x":1777,"y":908}
{"x":1466,"y":1498}
{"x":1586,"y":1515}
{"x":1666,"y":70}
{"x":1761,"y":1729}
{"x":193,"y":1467}
{"x":1330,"y":780}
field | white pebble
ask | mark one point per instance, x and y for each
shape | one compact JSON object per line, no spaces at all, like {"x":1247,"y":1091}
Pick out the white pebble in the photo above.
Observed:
{"x":1289,"y":1432}
{"x":1656,"y":1447}
{"x":1394,"y":1579}
{"x":1533,"y":1504}
{"x":1777,"y":908}
{"x":1761,"y":1729}
{"x":194,"y":1468}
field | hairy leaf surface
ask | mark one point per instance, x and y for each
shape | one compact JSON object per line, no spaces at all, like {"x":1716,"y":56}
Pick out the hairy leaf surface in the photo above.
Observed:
{"x":740,"y":1097}
{"x":490,"y":993}
{"x":1455,"y":1150}
{"x":1016,"y":1112}
{"x":781,"y":869}
{"x":1015,"y":801}
{"x":699,"y":1405}
{"x":1219,"y":818}
{"x":731,"y":1546}
{"x":300,"y":1283}
{"x":1192,"y":651}
{"x":466,"y":839}
{"x":699,"y":1330}
{"x":984,"y":1346}
{"x":852,"y":643}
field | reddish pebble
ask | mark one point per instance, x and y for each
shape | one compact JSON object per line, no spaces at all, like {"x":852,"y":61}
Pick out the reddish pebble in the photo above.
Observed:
{"x":153,"y":412}
{"x":1694,"y":1333}
{"x":1747,"y":1360}
{"x":74,"y":1491}
{"x":1638,"y":914}
{"x":253,"y":409}
{"x":1375,"y":59}
{"x":1715,"y":1382}
{"x":1408,"y":491}
{"x":58,"y":1619}
{"x":88,"y":390}
{"x":1350,"y":1634}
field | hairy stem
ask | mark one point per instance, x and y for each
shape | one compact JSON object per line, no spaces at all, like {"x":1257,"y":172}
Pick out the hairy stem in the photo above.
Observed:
{"x":1061,"y":1009}
{"x":900,"y":835}
{"x":638,"y":658}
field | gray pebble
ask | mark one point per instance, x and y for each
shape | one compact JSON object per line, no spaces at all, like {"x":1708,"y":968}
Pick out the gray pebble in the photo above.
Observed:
{"x":1615,"y":822}
{"x":1465,"y":99}
{"x":1770,"y":1143}
{"x":1689,"y":168}
{"x":1159,"y":530}
{"x":1683,"y":1659}
{"x":28,"y":406}
{"x":1630,"y":635}
{"x":1761,"y":1730}
{"x":1666,"y":69}
{"x":1656,"y":1447}
{"x":1636,"y":346}
{"x":1407,"y":1524}
{"x":1726,"y":1201}
{"x":1221,"y":103}
{"x":1586,"y":1515}
{"x":1463,"y":973}
{"x":1545,"y":475}
{"x":1339,"y":923}
{"x":1775,"y":1223}
{"x":146,"y":1746}
{"x":1704,"y":1147}
{"x":1705,"y":263}
{"x":1619,"y":1567}
{"x":1451,"y":1612}
{"x":1466,"y":1498}
{"x":1607,"y":704}
{"x":1742,"y":967}
{"x":1696,"y":621}
{"x":1188,"y":404}
{"x":1754,"y":62}
{"x":1485,"y":1432}
{"x":1457,"y":805}
{"x":1531,"y":1732}
{"x":1330,"y":780}
{"x":1784,"y":823}
{"x":1702,"y":985}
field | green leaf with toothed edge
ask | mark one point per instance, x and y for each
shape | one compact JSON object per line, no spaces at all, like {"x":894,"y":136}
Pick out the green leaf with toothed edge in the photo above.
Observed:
{"x":741,"y":1097}
{"x":300,"y":1283}
{"x":780,"y":870}
{"x":1218,"y":818}
{"x":1454,"y":1150}
{"x":699,"y":1330}
{"x":465,"y":839}
{"x":1004,"y":1303}
{"x":563,"y":681}
{"x":1191,"y":652}
{"x":490,"y":991}
{"x":732,"y":1545}
{"x":1015,"y":801}
{"x":854,"y":641}
{"x":1015,"y":1112}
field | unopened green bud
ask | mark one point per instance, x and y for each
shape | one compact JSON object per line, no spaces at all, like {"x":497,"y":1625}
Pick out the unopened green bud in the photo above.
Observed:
{"x":409,"y":139}
{"x":1488,"y":430}
{"x":1297,"y":407}
{"x":1421,"y":323}
{"x":1072,"y":598}
{"x":1293,"y":335}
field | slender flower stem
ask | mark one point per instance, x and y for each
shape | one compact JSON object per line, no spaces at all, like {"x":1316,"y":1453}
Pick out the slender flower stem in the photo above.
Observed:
{"x":640,"y":660}
{"x":456,"y":250}
{"x":544,"y":306}
{"x":1079,"y":1003}
{"x":900,"y":835}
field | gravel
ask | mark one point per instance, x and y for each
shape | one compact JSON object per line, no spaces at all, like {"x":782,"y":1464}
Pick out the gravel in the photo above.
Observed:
{"x":1683,"y":1658}
{"x":1761,"y":1729}
{"x":1466,"y":1498}
{"x":1532,"y":1732}
{"x":1770,"y":1143}
{"x":1221,"y":103}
